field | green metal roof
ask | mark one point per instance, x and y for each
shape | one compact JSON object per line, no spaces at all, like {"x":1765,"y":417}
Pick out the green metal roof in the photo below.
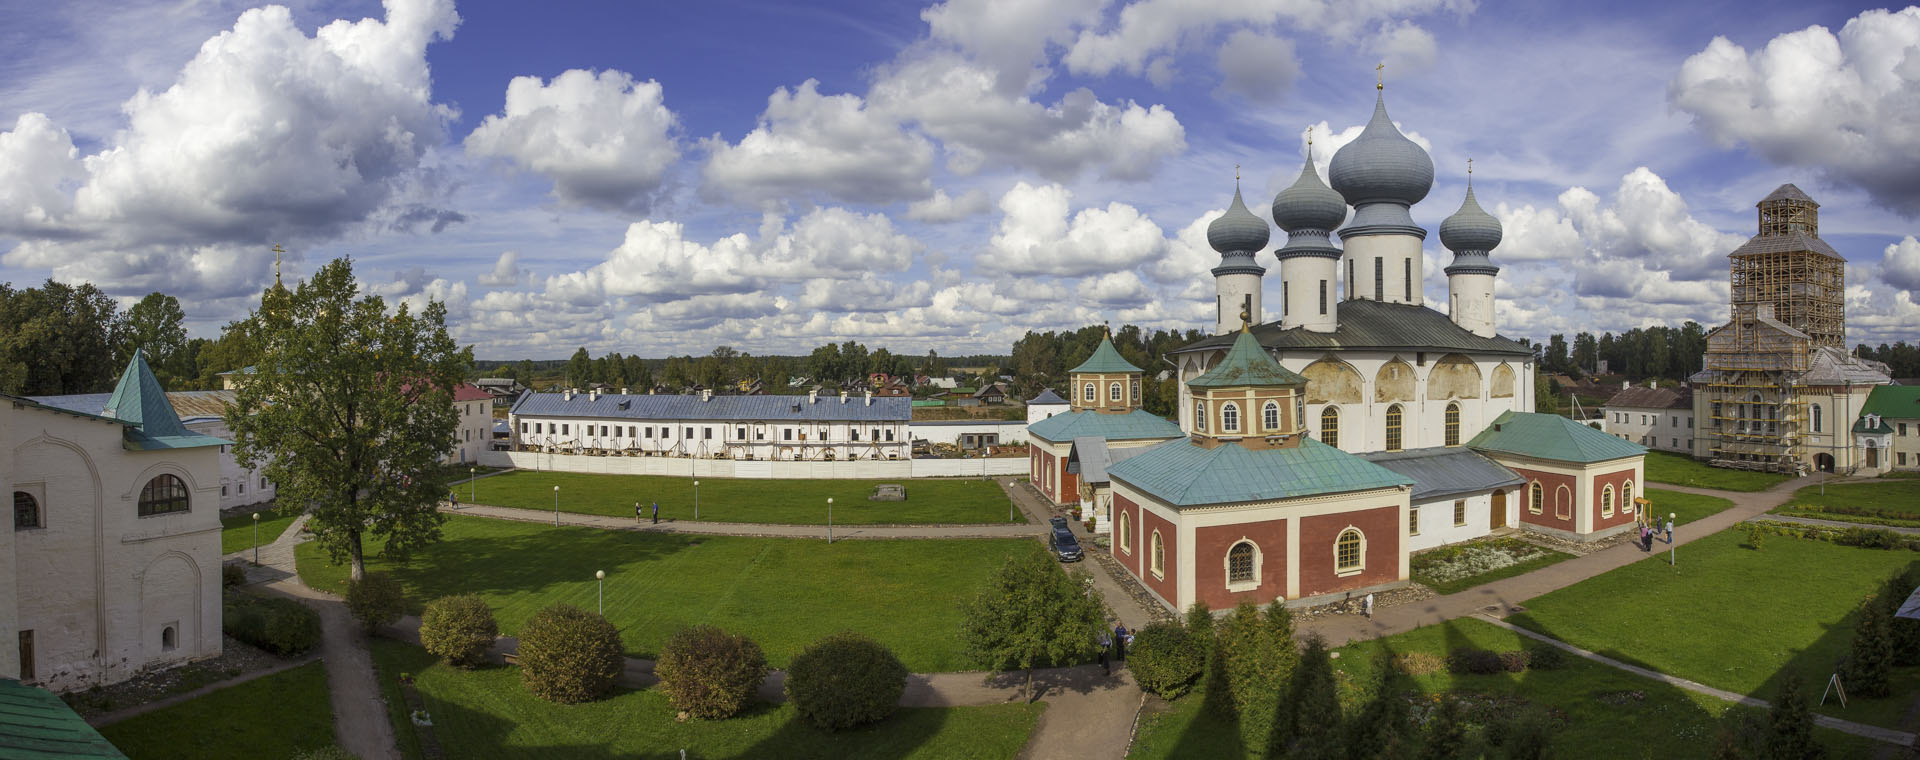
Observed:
{"x":1246,"y":364}
{"x":139,"y":399}
{"x":1185,"y":475}
{"x":918,"y":403}
{"x":1105,"y":360}
{"x":1896,"y":402}
{"x":1551,"y":436}
{"x":36,"y":725}
{"x":1377,"y":325}
{"x":1132,"y":426}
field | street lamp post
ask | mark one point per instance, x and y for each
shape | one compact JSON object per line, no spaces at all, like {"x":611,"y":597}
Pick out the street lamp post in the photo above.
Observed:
{"x":696,"y":500}
{"x":601,"y":576}
{"x":829,"y":519}
{"x":256,"y":539}
{"x":1671,"y":557}
{"x":473,"y":484}
{"x":556,"y":506}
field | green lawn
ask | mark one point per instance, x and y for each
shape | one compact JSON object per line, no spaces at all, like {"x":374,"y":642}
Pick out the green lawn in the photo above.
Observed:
{"x":1892,"y":502}
{"x":236,"y":531}
{"x":1429,"y":566}
{"x":274,"y":716}
{"x":1686,"y":506}
{"x":784,"y":593}
{"x":1601,"y":712}
{"x":746,"y":500}
{"x":488,"y":713}
{"x":1731,"y":617}
{"x":1682,"y":470}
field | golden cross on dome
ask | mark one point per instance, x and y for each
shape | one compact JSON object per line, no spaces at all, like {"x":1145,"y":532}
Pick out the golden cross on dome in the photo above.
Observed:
{"x":277,"y":250}
{"x":1469,"y":172}
{"x":1380,"y":82}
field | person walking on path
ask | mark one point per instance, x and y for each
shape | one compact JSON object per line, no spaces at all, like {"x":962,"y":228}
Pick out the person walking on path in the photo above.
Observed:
{"x":1366,"y":606}
{"x":1106,"y":649}
{"x":1120,"y":642}
{"x":1669,"y":530}
{"x":453,"y":499}
{"x":656,"y":513}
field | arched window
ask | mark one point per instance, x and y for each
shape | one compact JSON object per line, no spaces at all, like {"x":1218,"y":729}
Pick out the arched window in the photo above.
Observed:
{"x":26,"y":511}
{"x":1606,"y":500}
{"x":1393,"y":427}
{"x":1229,"y":417}
{"x":1536,"y":498}
{"x":1135,"y":385}
{"x":1240,"y":562}
{"x":1349,"y":552}
{"x":1271,"y":416}
{"x":1330,"y":426}
{"x":1626,"y":498}
{"x":1125,"y":529}
{"x":1563,"y":503}
{"x":162,"y":495}
{"x":1086,"y":394}
{"x":1299,"y":410}
{"x":1200,"y":416}
{"x":1113,"y":392}
{"x":1157,"y":551}
{"x":1453,"y":424}
{"x":168,"y":639}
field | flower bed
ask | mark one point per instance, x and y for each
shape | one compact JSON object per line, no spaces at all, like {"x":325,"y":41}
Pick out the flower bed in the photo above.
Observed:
{"x":1452,"y":568}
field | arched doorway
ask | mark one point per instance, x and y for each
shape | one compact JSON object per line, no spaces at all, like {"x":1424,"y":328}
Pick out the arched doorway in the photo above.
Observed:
{"x":1823,"y":462}
{"x":1499,"y":511}
{"x":1873,"y":455}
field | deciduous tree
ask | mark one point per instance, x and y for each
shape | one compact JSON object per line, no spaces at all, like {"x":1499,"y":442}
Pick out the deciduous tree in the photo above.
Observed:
{"x":1033,"y":614}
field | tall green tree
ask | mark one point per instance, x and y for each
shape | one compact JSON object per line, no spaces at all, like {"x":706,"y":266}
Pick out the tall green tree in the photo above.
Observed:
{"x":1033,"y":614}
{"x":58,"y":339}
{"x":1309,"y":721}
{"x":1790,"y":723}
{"x":157,"y":327}
{"x":349,"y":411}
{"x":1259,"y":657}
{"x":580,"y":369}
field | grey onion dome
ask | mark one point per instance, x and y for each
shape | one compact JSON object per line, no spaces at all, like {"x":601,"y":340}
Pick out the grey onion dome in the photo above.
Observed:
{"x":1471,"y":228}
{"x":1381,"y":164}
{"x":1308,"y":204}
{"x":1237,"y":229}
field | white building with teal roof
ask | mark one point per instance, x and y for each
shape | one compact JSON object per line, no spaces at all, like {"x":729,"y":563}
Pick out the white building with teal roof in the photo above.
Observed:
{"x":1250,"y":507}
{"x":113,"y":564}
{"x":1103,"y":420}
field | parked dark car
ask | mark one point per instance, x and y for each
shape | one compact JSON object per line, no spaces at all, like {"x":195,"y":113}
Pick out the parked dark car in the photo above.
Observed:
{"x":1065,"y":547}
{"x":1059,"y":523}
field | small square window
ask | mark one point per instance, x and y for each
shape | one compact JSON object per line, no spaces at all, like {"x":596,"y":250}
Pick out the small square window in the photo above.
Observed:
{"x":1459,"y":513}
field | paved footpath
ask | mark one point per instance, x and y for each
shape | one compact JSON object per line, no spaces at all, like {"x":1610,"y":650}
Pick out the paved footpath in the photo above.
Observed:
{"x":762,"y":530}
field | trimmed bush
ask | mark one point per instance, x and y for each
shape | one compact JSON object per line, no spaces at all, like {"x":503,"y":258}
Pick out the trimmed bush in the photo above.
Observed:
{"x":1546,"y":657}
{"x":459,"y":629}
{"x":845,"y":680}
{"x":1477,"y":662}
{"x":569,"y":655}
{"x":1869,"y":538}
{"x":709,"y":673}
{"x":1514,"y":661}
{"x":375,"y":600}
{"x":1166,"y":659}
{"x":280,"y":626}
{"x":232,"y":574}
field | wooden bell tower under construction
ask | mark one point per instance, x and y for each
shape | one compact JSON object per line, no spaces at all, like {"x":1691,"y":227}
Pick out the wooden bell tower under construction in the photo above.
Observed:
{"x":1790,"y":268}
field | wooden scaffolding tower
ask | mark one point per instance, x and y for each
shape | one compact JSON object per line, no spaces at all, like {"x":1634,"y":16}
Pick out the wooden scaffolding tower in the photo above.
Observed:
{"x":1790,"y":268}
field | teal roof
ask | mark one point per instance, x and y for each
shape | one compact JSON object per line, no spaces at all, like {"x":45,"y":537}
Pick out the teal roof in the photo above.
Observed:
{"x":140,"y":400}
{"x":1106,"y":360}
{"x":1551,"y":436}
{"x":36,"y":724}
{"x":1246,"y":364}
{"x":1185,"y":475}
{"x":1132,"y":426}
{"x":1894,"y":402}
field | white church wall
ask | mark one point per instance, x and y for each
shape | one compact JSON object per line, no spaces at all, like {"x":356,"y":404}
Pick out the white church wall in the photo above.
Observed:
{"x":950,"y":431}
{"x":9,"y":598}
{"x":239,"y":486}
{"x":1437,"y":527}
{"x":860,"y":469}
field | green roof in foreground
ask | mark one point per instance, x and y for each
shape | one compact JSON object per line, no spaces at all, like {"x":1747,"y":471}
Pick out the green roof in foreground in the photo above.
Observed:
{"x":1105,"y":360}
{"x":1894,"y":402}
{"x":1184,"y":475}
{"x":1551,"y":436}
{"x":36,"y":725}
{"x":1246,"y":364}
{"x":1133,"y":426}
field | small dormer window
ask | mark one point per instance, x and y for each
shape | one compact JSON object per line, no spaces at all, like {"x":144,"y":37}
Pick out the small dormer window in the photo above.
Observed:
{"x":1200,"y":416}
{"x":1087,"y":393}
{"x":1113,"y":392}
{"x":1270,"y":417}
{"x":1230,"y":417}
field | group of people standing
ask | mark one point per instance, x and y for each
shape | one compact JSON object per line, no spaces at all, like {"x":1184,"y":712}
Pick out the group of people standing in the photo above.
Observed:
{"x":1649,"y":528}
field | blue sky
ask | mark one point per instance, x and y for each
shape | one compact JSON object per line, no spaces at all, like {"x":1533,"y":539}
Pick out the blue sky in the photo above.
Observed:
{"x":661,"y":178}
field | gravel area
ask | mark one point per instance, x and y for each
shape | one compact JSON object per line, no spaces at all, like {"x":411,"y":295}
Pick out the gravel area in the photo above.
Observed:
{"x":1381,"y":600}
{"x":236,"y":658}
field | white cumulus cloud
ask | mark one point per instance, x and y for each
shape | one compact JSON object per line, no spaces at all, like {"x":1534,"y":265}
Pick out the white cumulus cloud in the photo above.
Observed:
{"x":1900,"y":267}
{"x":604,"y":139}
{"x":1037,"y":236}
{"x":808,"y":144}
{"x":1257,"y":66}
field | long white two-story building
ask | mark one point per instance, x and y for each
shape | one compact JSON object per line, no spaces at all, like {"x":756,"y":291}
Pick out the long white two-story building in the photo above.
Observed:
{"x":784,"y":428}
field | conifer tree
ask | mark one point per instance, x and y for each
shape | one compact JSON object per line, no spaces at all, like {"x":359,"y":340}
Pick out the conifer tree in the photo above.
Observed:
{"x":1309,"y":725}
{"x":1905,"y":631}
{"x":1790,"y":724}
{"x":1200,"y":625}
{"x":1869,"y":667}
{"x":1379,"y":731}
{"x":1259,"y":658}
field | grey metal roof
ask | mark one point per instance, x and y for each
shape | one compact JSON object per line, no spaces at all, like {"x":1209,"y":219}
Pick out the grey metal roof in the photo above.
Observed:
{"x":1237,"y":229}
{"x":1640,"y":397}
{"x":1308,"y":204}
{"x":1471,"y":228}
{"x":1787,"y":243}
{"x":1380,"y":174}
{"x":1788,"y":192}
{"x":732,"y":408}
{"x":1090,"y":451}
{"x":1377,"y":325}
{"x":1443,"y":471}
{"x":1047,"y":397}
{"x":1834,"y":366}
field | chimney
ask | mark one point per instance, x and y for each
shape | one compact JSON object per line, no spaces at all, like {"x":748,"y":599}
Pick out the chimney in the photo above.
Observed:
{"x":813,"y":396}
{"x":869,"y":398}
{"x":567,"y":396}
{"x":593,"y":394}
{"x":706,"y":394}
{"x":623,"y":391}
{"x":843,"y":397}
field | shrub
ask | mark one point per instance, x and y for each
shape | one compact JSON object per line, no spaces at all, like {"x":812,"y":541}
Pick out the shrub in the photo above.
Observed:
{"x":1419,"y":663}
{"x":1754,"y":535}
{"x":1166,"y":659}
{"x":1477,"y":662}
{"x":1869,"y":538}
{"x":845,"y":680}
{"x":1546,"y":657}
{"x":375,"y":600}
{"x":1514,"y":661}
{"x":1790,"y":723}
{"x":1869,"y":665}
{"x":569,"y":655}
{"x":459,"y":629}
{"x":710,"y":673}
{"x":280,"y":626}
{"x":1528,"y":736}
{"x":232,"y":574}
